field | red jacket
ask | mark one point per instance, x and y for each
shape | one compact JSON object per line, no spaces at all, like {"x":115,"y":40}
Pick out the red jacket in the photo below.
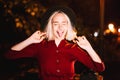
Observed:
{"x":56,"y":63}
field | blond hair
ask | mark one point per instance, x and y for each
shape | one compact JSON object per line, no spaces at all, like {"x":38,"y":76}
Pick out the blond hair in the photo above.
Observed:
{"x":71,"y":33}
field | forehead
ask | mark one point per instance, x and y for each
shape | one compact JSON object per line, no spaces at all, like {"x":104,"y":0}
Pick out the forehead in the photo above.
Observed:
{"x":59,"y":16}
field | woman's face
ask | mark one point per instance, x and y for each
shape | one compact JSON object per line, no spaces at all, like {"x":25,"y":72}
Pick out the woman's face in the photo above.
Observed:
{"x":59,"y":26}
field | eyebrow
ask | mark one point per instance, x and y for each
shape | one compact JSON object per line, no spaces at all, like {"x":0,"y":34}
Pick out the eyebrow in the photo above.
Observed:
{"x":57,"y":21}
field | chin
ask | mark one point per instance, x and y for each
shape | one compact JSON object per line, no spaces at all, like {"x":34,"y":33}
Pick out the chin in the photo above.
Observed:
{"x":60,"y":38}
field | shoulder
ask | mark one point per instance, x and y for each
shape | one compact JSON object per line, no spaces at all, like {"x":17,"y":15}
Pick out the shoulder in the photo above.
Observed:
{"x":70,"y":44}
{"x":74,"y":46}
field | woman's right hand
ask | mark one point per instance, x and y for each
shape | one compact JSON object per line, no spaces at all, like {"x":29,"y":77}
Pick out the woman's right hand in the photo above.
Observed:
{"x":37,"y":37}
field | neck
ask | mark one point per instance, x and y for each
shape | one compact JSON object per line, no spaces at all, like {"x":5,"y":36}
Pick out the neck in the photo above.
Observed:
{"x":57,"y":41}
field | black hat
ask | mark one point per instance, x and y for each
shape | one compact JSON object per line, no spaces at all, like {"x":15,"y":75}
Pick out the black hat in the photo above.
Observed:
{"x":68,"y":11}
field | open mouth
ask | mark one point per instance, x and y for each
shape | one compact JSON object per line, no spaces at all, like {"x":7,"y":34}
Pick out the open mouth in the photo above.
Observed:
{"x":60,"y":33}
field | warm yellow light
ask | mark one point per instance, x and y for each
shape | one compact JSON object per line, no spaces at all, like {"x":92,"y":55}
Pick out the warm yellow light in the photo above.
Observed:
{"x":28,"y":10}
{"x":19,"y":25}
{"x":17,"y":19}
{"x":119,"y":30}
{"x":111,"y":27}
{"x":35,"y":9}
{"x":33,"y":13}
{"x":107,"y":31}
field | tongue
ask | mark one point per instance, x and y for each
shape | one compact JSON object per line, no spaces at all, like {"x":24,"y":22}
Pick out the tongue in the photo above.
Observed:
{"x":59,"y":34}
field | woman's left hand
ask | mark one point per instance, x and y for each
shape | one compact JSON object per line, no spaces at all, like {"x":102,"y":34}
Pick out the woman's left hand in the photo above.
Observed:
{"x":83,"y":42}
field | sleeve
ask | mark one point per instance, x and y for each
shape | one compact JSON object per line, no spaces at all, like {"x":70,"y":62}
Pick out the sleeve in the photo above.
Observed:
{"x":85,"y":59}
{"x":29,"y":51}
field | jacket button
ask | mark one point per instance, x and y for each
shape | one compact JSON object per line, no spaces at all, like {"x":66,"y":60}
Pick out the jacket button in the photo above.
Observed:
{"x":58,"y":70}
{"x":57,"y":60}
{"x":57,"y":51}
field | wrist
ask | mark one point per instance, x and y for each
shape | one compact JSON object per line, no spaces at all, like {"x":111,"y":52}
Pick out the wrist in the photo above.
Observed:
{"x":28,"y":41}
{"x":90,"y":50}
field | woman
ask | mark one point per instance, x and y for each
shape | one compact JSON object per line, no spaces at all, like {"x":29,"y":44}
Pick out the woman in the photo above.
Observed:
{"x":57,"y":47}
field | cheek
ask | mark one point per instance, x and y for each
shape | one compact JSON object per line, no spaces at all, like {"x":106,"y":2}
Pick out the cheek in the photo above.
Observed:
{"x":55,"y":28}
{"x":65,"y":29}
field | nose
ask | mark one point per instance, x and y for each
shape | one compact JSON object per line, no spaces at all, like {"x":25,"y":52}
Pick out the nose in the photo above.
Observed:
{"x":60,"y":27}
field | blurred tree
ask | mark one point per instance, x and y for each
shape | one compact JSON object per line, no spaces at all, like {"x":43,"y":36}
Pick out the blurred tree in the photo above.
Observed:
{"x":20,"y":17}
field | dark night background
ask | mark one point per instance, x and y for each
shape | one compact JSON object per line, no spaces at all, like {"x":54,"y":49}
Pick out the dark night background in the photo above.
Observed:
{"x":20,"y":18}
